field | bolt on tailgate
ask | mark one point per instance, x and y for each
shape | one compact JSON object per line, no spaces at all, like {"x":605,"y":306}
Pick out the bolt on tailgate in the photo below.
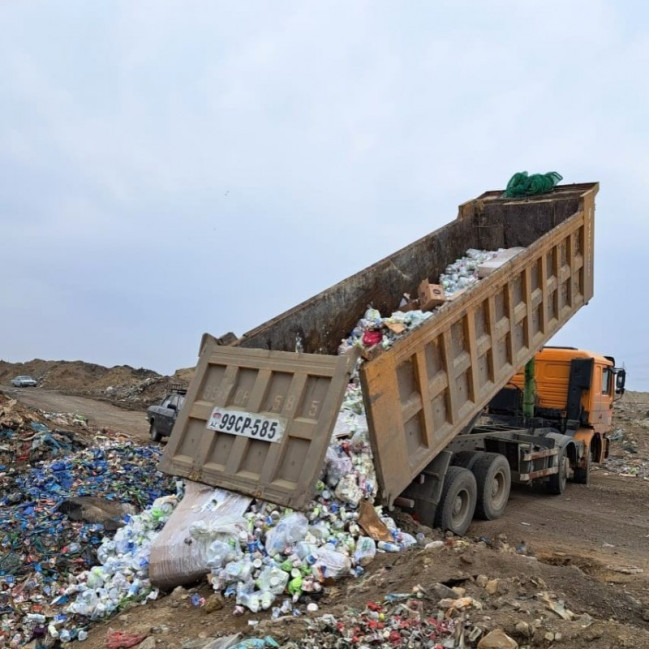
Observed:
{"x":258,"y":422}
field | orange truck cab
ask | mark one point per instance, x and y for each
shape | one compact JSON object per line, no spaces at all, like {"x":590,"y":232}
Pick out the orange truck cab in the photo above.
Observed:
{"x":574,"y":392}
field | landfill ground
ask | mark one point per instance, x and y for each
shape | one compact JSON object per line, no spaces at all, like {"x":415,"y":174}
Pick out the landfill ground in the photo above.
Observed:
{"x":100,"y":414}
{"x":569,"y":571}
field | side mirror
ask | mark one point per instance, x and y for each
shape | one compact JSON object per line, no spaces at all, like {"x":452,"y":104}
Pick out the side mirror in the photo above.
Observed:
{"x":620,"y":380}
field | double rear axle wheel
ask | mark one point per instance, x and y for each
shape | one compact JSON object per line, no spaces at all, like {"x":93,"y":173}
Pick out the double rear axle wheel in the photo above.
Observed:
{"x":477,"y":484}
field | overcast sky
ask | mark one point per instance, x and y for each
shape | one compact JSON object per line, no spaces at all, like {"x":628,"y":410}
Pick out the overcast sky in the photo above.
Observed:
{"x":171,"y":168}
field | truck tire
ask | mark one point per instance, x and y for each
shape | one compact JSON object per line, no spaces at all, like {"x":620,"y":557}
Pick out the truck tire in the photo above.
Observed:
{"x":557,"y":482}
{"x":457,"y":502}
{"x":466,"y":459}
{"x":494,"y":480}
{"x":582,"y":475}
{"x":153,"y":433}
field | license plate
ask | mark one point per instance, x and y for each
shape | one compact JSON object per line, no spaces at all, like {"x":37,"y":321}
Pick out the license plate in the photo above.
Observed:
{"x":247,"y":424}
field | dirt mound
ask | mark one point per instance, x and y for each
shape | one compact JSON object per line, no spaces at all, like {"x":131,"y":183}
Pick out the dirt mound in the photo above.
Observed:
{"x":122,"y":385}
{"x":74,"y":375}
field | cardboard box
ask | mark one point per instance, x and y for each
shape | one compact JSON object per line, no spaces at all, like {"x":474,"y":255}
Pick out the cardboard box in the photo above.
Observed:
{"x":430,"y":295}
{"x":408,"y":304}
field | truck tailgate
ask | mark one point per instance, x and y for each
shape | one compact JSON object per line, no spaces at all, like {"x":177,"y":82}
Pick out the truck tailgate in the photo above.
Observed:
{"x":302,"y":391}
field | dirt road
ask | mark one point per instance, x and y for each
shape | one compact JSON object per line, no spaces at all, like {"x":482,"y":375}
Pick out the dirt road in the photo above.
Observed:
{"x":99,"y":413}
{"x":610,"y":517}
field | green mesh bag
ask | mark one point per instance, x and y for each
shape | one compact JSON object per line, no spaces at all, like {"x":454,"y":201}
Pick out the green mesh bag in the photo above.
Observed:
{"x":521,"y":184}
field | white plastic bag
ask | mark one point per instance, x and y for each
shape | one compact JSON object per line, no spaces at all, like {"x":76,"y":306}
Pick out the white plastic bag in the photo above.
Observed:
{"x":222,"y":551}
{"x":348,"y":490}
{"x":337,"y":465}
{"x":290,"y":530}
{"x":365,"y":550}
{"x":330,"y":564}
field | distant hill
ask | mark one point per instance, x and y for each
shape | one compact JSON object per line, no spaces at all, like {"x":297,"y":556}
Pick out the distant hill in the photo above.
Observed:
{"x":123,"y":385}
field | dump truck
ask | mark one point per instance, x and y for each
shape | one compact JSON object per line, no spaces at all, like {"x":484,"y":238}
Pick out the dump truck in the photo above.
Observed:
{"x":449,"y":422}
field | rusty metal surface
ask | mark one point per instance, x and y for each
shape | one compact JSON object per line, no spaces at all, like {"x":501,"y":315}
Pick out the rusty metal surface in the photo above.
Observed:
{"x":304,"y":389}
{"x":421,"y":393}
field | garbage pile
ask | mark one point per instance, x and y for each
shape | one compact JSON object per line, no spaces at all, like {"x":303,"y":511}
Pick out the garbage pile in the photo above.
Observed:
{"x":272,"y":552}
{"x":626,"y":458}
{"x":373,"y":329}
{"x":43,"y":545}
{"x":464,"y":272}
{"x":24,"y":440}
{"x":33,"y":443}
{"x":401,"y":620}
{"x":269,"y":558}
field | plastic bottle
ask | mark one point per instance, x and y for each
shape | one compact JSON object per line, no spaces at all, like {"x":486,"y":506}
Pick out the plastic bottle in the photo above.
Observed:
{"x":387,"y":546}
{"x":266,"y":599}
{"x":250,"y":601}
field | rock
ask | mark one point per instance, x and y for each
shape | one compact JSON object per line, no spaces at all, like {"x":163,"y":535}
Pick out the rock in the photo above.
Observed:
{"x":523,"y":628}
{"x":458,"y":603}
{"x":442,"y":592}
{"x":147,"y":643}
{"x":593,"y":633}
{"x":481,"y":580}
{"x":221,"y":643}
{"x":194,"y":644}
{"x":492,"y":586}
{"x":549,"y":636}
{"x":464,"y":558}
{"x":92,"y":509}
{"x":459,"y":591}
{"x":497,"y":639}
{"x":214,"y":603}
{"x":179,"y":593}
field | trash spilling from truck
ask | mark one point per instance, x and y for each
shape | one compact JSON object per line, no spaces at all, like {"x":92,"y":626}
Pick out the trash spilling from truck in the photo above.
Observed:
{"x":446,"y":325}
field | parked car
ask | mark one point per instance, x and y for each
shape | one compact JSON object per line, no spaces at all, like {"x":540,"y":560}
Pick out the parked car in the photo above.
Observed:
{"x":24,"y":382}
{"x":162,"y":416}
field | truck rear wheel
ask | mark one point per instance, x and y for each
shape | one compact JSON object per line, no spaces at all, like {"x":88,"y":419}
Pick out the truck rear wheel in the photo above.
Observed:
{"x":493,"y":477}
{"x":458,"y":499}
{"x":557,"y":482}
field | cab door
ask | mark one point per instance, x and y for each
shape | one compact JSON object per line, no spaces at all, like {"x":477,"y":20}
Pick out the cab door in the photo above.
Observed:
{"x":602,"y":393}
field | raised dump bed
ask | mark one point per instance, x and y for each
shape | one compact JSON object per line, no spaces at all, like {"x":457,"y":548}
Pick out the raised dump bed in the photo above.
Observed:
{"x":259,"y":414}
